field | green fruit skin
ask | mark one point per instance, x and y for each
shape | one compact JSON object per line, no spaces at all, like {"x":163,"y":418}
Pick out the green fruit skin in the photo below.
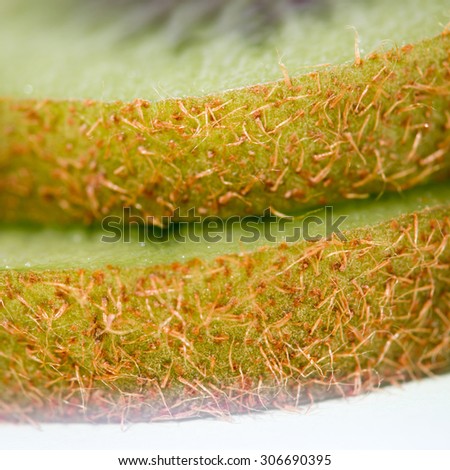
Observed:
{"x":338,"y":133}
{"x":273,"y":328}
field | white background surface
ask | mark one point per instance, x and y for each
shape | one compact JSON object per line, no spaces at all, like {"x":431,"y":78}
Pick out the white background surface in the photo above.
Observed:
{"x":414,"y":416}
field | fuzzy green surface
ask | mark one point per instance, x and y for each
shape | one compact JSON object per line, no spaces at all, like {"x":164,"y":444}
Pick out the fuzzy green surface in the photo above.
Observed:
{"x":340,"y":133}
{"x":274,"y":328}
{"x":67,"y":49}
{"x":93,"y":331}
{"x":33,"y":247}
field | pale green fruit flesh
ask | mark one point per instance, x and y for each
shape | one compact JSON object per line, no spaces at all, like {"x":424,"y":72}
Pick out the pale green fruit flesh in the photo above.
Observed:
{"x":340,"y":133}
{"x":66,"y":49}
{"x":159,"y":331}
{"x":34,"y":247}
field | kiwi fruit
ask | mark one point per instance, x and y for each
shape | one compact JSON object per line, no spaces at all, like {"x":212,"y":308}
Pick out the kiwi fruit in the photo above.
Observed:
{"x":331,"y":135}
{"x":151,"y":330}
{"x":275,"y":327}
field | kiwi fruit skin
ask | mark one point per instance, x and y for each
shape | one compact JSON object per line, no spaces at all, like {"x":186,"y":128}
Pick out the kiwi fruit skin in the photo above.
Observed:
{"x":340,"y":133}
{"x":273,"y":328}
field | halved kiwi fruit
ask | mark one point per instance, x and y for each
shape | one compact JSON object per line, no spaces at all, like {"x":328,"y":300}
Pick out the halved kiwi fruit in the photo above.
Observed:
{"x":159,"y":330}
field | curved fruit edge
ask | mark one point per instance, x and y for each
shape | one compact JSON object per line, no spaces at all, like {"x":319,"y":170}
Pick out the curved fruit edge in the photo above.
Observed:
{"x":336,"y":134}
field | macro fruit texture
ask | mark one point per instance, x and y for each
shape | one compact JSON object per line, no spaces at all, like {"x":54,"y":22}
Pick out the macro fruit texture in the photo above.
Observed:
{"x":290,"y":144}
{"x":272,"y":328}
{"x":282,"y":145}
{"x":121,"y":336}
